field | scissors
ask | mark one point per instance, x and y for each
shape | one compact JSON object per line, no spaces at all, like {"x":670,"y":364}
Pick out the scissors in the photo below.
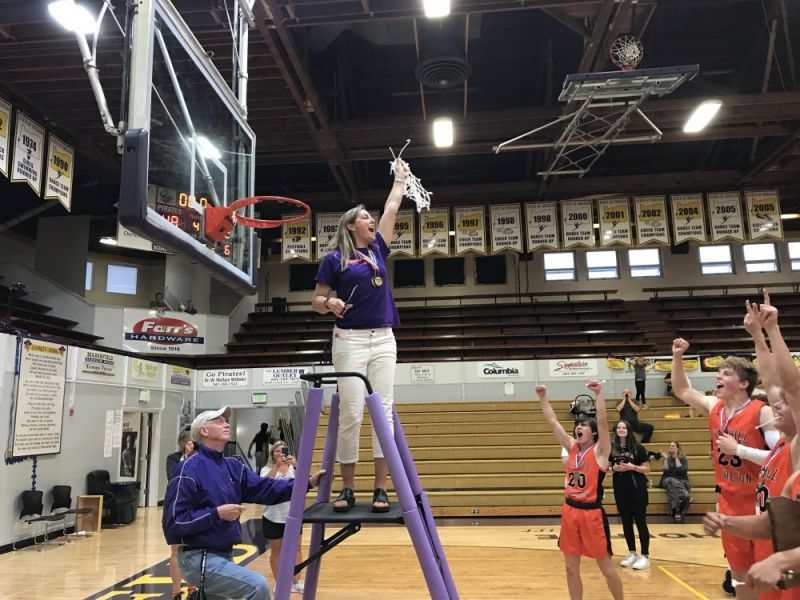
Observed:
{"x":347,"y":302}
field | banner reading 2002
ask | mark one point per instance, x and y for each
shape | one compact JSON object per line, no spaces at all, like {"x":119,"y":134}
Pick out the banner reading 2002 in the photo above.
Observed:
{"x":651,"y":220}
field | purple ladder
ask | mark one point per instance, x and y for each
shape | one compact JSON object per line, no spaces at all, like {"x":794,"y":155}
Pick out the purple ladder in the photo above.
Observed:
{"x":414,"y":509}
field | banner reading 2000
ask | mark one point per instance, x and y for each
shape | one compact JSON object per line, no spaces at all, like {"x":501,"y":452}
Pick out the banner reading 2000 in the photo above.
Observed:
{"x":577,"y":223}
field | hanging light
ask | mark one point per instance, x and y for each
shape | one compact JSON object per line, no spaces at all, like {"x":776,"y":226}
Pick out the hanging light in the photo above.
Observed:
{"x":436,"y":9}
{"x":73,"y":17}
{"x":702,"y":115}
{"x":443,"y":132}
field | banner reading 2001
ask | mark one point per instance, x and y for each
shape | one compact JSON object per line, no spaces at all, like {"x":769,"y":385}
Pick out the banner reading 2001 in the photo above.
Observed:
{"x":615,"y":221}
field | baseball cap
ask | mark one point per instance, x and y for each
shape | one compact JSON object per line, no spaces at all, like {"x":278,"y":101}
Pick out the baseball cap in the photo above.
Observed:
{"x":206,"y":416}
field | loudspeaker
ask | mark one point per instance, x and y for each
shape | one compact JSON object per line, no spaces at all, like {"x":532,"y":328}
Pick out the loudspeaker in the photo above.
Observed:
{"x":680,"y":248}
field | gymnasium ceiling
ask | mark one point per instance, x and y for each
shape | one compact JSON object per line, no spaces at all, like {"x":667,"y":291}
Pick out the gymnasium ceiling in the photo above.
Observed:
{"x":332,"y":85}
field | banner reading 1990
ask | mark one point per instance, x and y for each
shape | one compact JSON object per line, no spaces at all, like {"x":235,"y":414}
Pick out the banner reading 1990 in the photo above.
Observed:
{"x":60,"y":166}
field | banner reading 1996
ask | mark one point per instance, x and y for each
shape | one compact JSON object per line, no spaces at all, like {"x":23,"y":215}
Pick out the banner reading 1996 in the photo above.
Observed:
{"x":540,"y":217}
{"x":434,"y":231}
{"x":764,"y":214}
{"x":403,"y":238}
{"x":725,"y":216}
{"x":5,"y":128}
{"x":326,"y":232}
{"x":688,"y":218}
{"x":506,"y":228}
{"x":296,"y":239}
{"x":577,"y":223}
{"x":615,"y":222}
{"x":651,"y":220}
{"x":470,"y":229}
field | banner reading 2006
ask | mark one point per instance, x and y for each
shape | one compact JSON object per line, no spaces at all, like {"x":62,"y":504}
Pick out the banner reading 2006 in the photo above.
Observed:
{"x":540,"y":217}
{"x":506,"y":229}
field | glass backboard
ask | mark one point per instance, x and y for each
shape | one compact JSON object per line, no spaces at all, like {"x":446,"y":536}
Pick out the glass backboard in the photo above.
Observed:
{"x":187,"y":146}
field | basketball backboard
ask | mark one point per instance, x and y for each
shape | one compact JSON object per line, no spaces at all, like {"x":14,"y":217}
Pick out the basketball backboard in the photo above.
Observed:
{"x":187,"y":146}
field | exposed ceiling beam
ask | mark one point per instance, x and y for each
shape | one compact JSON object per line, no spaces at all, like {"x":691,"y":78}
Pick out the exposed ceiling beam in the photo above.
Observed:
{"x":788,"y":41}
{"x":773,"y":158}
{"x":594,"y":45}
{"x":572,"y":23}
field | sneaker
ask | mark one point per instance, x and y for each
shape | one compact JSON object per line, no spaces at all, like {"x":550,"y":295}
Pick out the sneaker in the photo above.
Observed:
{"x":297,"y":588}
{"x":641,"y":563}
{"x":628,"y":560}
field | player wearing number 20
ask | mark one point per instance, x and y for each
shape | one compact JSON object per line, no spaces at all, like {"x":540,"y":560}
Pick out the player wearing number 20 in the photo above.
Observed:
{"x":731,"y":411}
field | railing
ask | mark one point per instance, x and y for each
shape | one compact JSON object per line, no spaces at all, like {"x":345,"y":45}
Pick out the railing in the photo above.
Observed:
{"x":689,"y":290}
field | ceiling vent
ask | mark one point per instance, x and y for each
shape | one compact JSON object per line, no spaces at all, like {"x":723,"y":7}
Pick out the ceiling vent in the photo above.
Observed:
{"x":442,"y":63}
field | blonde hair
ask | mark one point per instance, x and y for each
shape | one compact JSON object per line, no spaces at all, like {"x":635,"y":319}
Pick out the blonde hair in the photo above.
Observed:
{"x":343,"y":240}
{"x":271,"y":459}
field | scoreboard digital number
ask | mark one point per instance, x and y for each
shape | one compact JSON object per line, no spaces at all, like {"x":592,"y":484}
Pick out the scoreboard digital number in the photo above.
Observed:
{"x":178,"y":210}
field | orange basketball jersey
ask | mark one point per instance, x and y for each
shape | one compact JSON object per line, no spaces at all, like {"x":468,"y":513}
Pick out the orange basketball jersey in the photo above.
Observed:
{"x":774,"y":474}
{"x":737,"y":478}
{"x":584,"y":476}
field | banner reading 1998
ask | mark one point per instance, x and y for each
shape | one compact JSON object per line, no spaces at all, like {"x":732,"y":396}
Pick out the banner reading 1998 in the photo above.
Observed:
{"x":541,"y":220}
{"x":506,"y":228}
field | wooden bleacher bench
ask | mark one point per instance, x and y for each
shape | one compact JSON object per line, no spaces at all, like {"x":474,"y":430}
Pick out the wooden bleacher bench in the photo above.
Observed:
{"x":722,"y":287}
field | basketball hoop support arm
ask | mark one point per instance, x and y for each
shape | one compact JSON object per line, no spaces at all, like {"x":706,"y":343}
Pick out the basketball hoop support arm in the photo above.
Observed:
{"x":90,"y":67}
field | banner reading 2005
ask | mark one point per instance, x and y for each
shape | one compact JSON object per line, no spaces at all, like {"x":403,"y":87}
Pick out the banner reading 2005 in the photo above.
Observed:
{"x":764,"y":214}
{"x":725,"y":216}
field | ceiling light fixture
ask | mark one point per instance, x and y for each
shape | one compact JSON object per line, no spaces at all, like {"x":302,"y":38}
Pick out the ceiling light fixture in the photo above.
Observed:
{"x":436,"y":9}
{"x":702,"y":115}
{"x":73,"y":17}
{"x":443,"y":132}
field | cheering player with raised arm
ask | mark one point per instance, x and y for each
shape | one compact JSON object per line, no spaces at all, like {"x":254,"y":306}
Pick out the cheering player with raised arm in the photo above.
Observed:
{"x":584,"y":526}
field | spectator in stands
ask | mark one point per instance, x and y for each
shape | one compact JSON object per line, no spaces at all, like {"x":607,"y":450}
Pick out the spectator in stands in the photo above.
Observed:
{"x":363,"y":340}
{"x":584,"y":526}
{"x":189,"y":308}
{"x":628,"y":409}
{"x":640,"y":378}
{"x":280,"y":465}
{"x":202,"y":510}
{"x":630,"y":465}
{"x":261,"y":441}
{"x":675,"y":480}
{"x":158,"y":301}
{"x":185,"y":450}
{"x":668,"y":384}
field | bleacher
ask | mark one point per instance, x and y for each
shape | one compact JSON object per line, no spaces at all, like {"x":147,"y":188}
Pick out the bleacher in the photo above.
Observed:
{"x":500,"y":458}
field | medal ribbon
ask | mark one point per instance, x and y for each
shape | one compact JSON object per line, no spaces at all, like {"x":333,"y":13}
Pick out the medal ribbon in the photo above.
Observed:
{"x":724,"y":419}
{"x":369,"y":260}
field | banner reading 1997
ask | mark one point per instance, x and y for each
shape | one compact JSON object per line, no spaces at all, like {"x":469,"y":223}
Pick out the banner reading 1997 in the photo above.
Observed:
{"x":470,"y":229}
{"x":541,"y":220}
{"x":506,"y":228}
{"x":403,"y":238}
{"x":764,"y":214}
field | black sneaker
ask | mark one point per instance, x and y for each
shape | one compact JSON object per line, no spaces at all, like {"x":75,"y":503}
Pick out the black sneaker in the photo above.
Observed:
{"x":727,"y":585}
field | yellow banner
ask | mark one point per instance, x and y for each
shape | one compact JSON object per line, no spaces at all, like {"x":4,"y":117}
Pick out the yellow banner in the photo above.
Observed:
{"x":764,"y":214}
{"x":403,"y":235}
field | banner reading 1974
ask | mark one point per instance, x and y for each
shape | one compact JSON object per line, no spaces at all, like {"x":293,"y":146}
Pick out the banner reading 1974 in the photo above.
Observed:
{"x":296,"y":238}
{"x":688,"y":217}
{"x":615,"y":221}
{"x":541,"y":220}
{"x":60,"y":166}
{"x":506,"y":229}
{"x":725,"y":216}
{"x":764,"y":214}
{"x":28,"y":153}
{"x":651,"y":220}
{"x":403,"y":238}
{"x":5,"y":128}
{"x":577,"y":223}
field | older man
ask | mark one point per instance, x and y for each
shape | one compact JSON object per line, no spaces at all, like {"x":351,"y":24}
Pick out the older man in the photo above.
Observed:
{"x":203,"y":505}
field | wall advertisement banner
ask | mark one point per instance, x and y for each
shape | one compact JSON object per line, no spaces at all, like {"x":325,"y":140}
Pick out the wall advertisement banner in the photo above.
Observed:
{"x":165,"y":333}
{"x":572,"y":367}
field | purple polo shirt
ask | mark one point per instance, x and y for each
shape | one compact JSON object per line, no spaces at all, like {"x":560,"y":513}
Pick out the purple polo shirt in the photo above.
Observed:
{"x":373,"y":307}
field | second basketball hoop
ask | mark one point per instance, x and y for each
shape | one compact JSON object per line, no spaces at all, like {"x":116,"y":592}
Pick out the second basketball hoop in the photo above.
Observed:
{"x":220,"y":220}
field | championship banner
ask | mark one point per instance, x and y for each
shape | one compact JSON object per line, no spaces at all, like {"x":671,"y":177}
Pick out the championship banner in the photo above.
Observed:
{"x":5,"y":128}
{"x":688,"y":219}
{"x":296,"y":238}
{"x":326,"y":232}
{"x":615,"y":222}
{"x":764,"y":214}
{"x":725,"y":216}
{"x":28,"y":152}
{"x":541,"y":220}
{"x":651,"y":220}
{"x":403,"y":238}
{"x":470,"y":229}
{"x":434,"y":232}
{"x":60,"y":165}
{"x":577,"y":223}
{"x":506,"y":230}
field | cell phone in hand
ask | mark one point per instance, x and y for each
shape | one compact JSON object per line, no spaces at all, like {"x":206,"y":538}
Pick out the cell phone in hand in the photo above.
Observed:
{"x":285,"y":451}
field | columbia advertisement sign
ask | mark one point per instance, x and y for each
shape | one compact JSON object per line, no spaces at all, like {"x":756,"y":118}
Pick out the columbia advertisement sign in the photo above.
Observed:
{"x":504,"y":369}
{"x":170,"y":333}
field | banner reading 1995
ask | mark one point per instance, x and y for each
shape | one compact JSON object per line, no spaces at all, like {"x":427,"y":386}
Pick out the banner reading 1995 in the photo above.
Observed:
{"x":540,"y":217}
{"x":764,"y":212}
{"x":403,"y":238}
{"x":506,"y":229}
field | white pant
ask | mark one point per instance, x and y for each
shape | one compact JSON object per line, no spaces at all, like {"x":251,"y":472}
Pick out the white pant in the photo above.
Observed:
{"x":372,"y":352}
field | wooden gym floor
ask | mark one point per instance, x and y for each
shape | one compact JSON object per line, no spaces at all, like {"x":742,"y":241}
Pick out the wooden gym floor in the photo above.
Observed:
{"x":490,"y":559}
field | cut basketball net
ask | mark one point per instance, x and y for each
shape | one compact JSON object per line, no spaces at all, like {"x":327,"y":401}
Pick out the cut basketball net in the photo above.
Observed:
{"x":220,"y":220}
{"x":413,"y":186}
{"x":626,"y":52}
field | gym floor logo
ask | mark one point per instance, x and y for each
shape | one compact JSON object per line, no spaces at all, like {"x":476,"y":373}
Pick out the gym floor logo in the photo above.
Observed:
{"x":164,"y":330}
{"x":154,"y":582}
{"x":501,"y":369}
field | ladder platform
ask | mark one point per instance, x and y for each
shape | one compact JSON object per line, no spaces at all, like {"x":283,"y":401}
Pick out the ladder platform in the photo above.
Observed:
{"x":360,"y":513}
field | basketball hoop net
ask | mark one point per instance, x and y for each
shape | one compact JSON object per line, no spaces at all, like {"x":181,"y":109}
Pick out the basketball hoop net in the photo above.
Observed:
{"x":220,"y":220}
{"x":626,"y":52}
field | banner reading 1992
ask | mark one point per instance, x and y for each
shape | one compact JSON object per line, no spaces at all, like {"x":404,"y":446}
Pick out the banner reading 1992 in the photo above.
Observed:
{"x":296,"y":239}
{"x":540,"y":217}
{"x":688,"y":217}
{"x":506,"y":230}
{"x":615,"y":222}
{"x":403,"y":238}
{"x":764,"y":214}
{"x":577,"y":223}
{"x":326,"y":232}
{"x":651,"y":220}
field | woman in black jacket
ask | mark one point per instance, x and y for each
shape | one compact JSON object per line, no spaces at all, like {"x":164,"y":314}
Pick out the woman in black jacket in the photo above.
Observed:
{"x":675,"y":480}
{"x":630,"y":465}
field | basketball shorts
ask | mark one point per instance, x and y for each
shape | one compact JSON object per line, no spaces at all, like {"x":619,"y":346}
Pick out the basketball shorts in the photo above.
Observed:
{"x":740,"y":552}
{"x":584,"y":532}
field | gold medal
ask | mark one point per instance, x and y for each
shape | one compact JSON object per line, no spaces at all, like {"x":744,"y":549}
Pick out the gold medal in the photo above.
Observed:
{"x":377,"y":281}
